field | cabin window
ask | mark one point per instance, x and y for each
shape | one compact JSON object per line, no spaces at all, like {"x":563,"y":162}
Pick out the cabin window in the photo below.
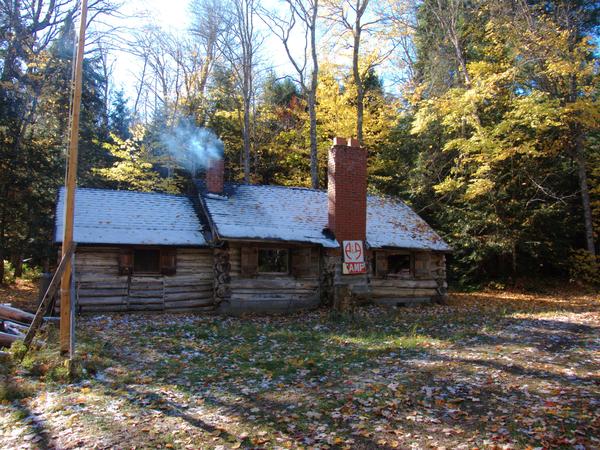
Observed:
{"x":273,"y":260}
{"x":146,"y":261}
{"x":399,"y":265}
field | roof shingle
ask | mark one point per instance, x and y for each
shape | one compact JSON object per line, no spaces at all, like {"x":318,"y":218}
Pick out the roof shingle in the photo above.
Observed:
{"x":269,"y":213}
{"x":105,"y":216}
{"x":300,"y":215}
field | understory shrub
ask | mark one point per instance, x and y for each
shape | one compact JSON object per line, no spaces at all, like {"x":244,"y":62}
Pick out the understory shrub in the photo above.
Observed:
{"x":584,"y":267}
{"x":9,"y":273}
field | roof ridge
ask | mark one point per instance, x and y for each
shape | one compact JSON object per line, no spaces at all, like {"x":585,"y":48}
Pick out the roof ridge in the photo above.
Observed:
{"x":120,"y":191}
{"x":300,"y":188}
{"x":389,"y":197}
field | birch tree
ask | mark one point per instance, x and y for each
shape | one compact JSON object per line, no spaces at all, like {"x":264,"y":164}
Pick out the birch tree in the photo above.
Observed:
{"x":301,"y":20}
{"x":239,"y":48}
{"x":208,"y":28}
{"x":361,"y":30}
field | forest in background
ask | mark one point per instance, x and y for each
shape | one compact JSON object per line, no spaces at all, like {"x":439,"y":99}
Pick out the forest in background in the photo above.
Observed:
{"x":482,"y":115}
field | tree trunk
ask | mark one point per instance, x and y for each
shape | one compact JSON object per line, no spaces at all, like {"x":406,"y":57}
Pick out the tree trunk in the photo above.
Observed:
{"x":2,"y":241}
{"x":514,"y":259}
{"x":359,"y":115}
{"x":10,"y":67}
{"x":360,"y":92}
{"x":16,"y":260}
{"x":246,"y":134}
{"x":312,"y":100}
{"x":314,"y":162}
{"x":582,"y":173}
{"x":1,"y":265}
{"x":585,"y":197}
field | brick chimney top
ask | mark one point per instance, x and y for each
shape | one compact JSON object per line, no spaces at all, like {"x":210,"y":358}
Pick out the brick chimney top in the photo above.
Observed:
{"x":347,"y":190}
{"x":214,"y":176}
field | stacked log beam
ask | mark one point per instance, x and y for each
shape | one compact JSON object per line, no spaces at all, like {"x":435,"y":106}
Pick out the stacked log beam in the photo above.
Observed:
{"x":268,"y":293}
{"x":100,"y":288}
{"x":408,"y":290}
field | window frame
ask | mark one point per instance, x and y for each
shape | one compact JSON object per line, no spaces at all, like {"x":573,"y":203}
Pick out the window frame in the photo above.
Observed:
{"x":411,"y":263}
{"x":287,"y":260}
{"x":134,"y":250}
{"x":383,"y":272}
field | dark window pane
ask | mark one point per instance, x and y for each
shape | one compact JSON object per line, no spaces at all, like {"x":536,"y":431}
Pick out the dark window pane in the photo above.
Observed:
{"x":146,"y":261}
{"x":271,"y":260}
{"x":399,"y":265}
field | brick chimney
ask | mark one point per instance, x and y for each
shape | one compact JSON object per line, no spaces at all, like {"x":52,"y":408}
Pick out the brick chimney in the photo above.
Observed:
{"x":347,"y":190}
{"x":214,"y":176}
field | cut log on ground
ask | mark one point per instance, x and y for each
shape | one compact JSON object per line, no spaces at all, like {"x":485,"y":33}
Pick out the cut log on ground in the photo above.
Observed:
{"x":10,"y":313}
{"x":7,"y":339}
{"x":13,"y":327}
{"x":18,"y":315}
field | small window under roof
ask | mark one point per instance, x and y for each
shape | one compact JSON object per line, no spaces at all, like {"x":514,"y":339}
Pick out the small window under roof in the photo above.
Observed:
{"x":399,"y":265}
{"x":273,"y":260}
{"x":146,"y":261}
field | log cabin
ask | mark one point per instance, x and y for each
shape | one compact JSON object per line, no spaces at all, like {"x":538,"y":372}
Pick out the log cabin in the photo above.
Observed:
{"x":138,"y":251}
{"x":240,"y":248}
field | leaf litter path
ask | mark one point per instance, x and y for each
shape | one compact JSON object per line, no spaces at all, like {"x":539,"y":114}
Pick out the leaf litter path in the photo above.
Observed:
{"x":489,"y":370}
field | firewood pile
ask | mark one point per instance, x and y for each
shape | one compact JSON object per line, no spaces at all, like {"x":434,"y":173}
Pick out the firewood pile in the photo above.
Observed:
{"x":14,"y":324}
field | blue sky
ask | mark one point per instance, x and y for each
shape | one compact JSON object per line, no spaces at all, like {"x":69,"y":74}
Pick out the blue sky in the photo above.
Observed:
{"x":174,"y":15}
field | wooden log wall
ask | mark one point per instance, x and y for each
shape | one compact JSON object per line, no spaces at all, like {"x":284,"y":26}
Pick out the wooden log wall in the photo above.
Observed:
{"x":271,"y":293}
{"x":100,"y":288}
{"x":428,"y":277}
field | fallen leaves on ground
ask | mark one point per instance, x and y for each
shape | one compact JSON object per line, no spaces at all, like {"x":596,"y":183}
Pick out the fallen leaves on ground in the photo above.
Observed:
{"x":488,"y":370}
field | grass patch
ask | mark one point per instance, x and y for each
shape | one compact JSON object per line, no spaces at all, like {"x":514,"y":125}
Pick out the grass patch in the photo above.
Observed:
{"x":320,"y":379}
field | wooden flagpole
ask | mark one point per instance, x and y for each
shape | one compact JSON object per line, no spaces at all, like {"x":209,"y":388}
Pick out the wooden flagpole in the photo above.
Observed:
{"x":70,"y":182}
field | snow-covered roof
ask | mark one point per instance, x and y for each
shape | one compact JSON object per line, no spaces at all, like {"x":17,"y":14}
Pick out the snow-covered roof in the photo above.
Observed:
{"x":300,"y":215}
{"x":105,"y":216}
{"x":273,"y":213}
{"x":392,"y":223}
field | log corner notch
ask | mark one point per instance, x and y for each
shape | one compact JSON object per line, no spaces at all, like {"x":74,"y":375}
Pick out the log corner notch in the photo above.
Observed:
{"x":222,"y":276}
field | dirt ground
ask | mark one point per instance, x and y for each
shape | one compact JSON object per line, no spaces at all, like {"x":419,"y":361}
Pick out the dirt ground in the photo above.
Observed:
{"x":488,"y":370}
{"x":23,"y":294}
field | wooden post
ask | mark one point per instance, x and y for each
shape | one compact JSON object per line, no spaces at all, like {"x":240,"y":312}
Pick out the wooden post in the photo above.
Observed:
{"x":70,"y":182}
{"x":47,"y":298}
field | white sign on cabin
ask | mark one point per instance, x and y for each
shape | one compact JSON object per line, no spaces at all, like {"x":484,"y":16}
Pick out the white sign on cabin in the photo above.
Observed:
{"x":354,"y":258}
